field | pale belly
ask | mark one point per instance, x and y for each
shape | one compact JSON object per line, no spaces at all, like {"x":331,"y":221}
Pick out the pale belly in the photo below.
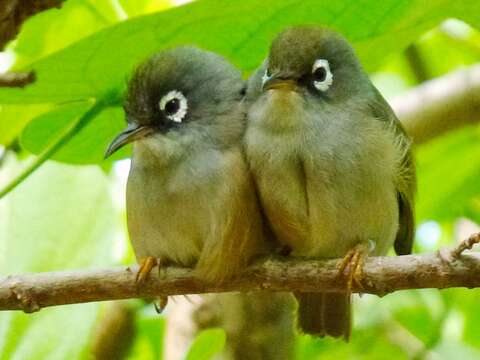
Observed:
{"x":169,"y":221}
{"x":332,"y":220}
{"x":322,"y":206}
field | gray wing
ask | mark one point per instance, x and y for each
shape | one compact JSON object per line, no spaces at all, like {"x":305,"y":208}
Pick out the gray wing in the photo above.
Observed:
{"x":406,"y":181}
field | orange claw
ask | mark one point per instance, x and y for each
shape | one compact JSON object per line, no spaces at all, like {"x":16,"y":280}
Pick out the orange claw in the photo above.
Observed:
{"x":146,"y":266}
{"x":351,"y":266}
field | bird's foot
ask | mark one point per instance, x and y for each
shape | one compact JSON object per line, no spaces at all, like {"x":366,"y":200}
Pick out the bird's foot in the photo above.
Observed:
{"x":162,"y":301}
{"x":448,"y":256}
{"x":160,"y":304}
{"x":351,"y":266}
{"x":146,"y":266}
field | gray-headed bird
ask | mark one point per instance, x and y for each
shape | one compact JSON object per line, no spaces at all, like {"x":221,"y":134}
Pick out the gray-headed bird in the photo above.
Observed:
{"x":190,"y":197}
{"x":332,"y":164}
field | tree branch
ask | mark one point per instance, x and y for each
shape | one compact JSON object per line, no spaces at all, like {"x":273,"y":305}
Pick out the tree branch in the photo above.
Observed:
{"x":14,"y":12}
{"x":15,"y":79}
{"x":440,"y":105}
{"x":381,"y":275}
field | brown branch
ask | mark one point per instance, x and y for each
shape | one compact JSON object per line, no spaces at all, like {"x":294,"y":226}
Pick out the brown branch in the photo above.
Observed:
{"x":382,"y":275}
{"x":14,"y":12}
{"x":12,"y":15}
{"x":14,"y":79}
{"x":440,"y":105}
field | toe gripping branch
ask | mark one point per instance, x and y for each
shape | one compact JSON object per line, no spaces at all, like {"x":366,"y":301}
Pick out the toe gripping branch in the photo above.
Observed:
{"x":351,"y":266}
{"x":146,"y":267}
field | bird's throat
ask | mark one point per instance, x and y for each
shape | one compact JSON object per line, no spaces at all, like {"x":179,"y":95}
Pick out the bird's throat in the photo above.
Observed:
{"x":283,"y":110}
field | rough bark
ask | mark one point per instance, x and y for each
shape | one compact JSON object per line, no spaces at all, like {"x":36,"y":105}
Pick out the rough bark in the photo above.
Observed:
{"x":381,"y":275}
{"x":14,"y":12}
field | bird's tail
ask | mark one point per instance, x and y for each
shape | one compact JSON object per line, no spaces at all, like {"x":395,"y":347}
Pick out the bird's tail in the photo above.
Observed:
{"x":325,"y":314}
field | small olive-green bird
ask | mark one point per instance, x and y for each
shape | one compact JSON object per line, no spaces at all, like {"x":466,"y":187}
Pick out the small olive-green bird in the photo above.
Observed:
{"x":331,"y":161}
{"x":190,"y":197}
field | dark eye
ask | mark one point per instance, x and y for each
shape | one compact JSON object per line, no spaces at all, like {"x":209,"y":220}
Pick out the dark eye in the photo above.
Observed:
{"x":320,"y":74}
{"x":174,"y":105}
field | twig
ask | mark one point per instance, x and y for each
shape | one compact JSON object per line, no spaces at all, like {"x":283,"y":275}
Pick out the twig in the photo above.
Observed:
{"x":14,"y":12}
{"x":381,"y":275}
{"x":13,"y":79}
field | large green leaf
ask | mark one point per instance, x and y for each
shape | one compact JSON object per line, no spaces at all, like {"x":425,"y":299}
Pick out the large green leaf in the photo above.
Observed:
{"x":88,"y":146}
{"x":15,"y":118}
{"x":97,"y":66}
{"x":239,"y":30}
{"x":449,"y":174}
{"x":52,"y":30}
{"x":62,"y":218}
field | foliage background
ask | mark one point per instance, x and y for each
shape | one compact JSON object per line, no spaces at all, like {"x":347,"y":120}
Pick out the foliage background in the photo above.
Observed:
{"x":70,"y":213}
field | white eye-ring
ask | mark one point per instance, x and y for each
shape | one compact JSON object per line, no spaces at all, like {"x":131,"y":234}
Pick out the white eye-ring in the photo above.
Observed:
{"x":266,"y":76}
{"x":322,"y":76}
{"x":174,"y":105}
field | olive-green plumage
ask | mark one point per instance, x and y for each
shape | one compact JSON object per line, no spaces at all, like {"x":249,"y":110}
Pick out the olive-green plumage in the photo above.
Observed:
{"x":331,"y":162}
{"x":190,"y":197}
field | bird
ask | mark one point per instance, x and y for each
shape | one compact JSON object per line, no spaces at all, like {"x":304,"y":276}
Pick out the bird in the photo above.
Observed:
{"x":331,"y":162}
{"x":191,"y":200}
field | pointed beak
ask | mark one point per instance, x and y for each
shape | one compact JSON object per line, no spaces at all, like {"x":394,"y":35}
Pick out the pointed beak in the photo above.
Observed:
{"x":276,"y":83}
{"x":131,"y":133}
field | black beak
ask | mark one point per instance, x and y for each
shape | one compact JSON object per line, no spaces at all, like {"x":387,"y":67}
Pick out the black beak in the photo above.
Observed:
{"x":277,"y":83}
{"x":131,"y":133}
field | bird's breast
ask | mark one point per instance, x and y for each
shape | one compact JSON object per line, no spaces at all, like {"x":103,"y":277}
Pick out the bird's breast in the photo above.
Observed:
{"x":327,"y":185}
{"x":170,"y":209}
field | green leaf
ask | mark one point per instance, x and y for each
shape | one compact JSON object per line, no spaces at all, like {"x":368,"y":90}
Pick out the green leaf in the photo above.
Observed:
{"x":97,"y":66}
{"x":61,"y":219}
{"x":140,"y":7}
{"x":89,"y":144}
{"x":63,"y":137}
{"x":54,"y":29}
{"x":15,"y":118}
{"x":150,"y":333}
{"x":241,"y":31}
{"x":207,"y":344}
{"x":448,"y":168}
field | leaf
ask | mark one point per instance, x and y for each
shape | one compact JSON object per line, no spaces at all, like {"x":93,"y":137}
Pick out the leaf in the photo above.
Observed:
{"x":241,"y":31}
{"x":61,"y":219}
{"x":97,"y":66}
{"x":54,"y":29}
{"x":140,"y":7}
{"x":150,"y":333}
{"x":15,"y":118}
{"x":449,"y":170}
{"x":63,"y":137}
{"x":207,"y":344}
{"x":89,"y":144}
